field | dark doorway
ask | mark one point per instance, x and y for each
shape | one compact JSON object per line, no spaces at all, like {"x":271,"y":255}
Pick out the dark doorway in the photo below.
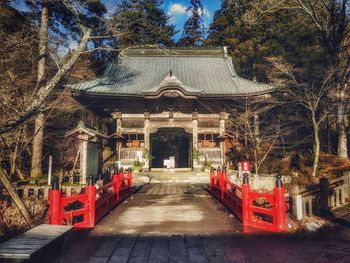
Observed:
{"x":171,"y":142}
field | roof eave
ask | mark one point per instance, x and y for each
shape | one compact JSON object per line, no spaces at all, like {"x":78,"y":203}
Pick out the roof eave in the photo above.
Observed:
{"x":142,"y":95}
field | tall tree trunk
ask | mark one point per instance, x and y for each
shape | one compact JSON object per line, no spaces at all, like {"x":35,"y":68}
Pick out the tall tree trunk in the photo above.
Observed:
{"x":43,"y":39}
{"x":329,"y":139}
{"x":13,"y":161}
{"x":341,"y":127}
{"x":316,"y":146}
{"x":15,"y":153}
{"x":38,"y":139}
{"x":38,"y":146}
{"x":256,"y":164}
{"x":246,"y":120}
{"x":256,"y":130}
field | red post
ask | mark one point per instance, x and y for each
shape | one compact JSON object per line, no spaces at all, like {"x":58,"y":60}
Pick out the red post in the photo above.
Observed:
{"x":221,"y":182}
{"x":212,"y":174}
{"x":121,"y":176}
{"x":219,"y":173}
{"x":119,"y":181}
{"x":280,"y":206}
{"x":121,"y":172}
{"x":130,"y":180}
{"x":245,"y":202}
{"x":116,"y":185}
{"x":91,"y":199}
{"x":55,"y":210}
{"x":224,"y":175}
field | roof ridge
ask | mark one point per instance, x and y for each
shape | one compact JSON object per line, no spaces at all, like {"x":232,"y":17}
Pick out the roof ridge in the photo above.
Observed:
{"x":232,"y":70}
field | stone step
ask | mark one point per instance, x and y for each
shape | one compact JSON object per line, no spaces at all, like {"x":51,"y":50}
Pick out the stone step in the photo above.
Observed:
{"x":166,"y":177}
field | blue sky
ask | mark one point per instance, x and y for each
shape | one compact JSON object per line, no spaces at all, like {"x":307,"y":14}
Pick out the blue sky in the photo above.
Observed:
{"x":179,"y":15}
{"x":175,"y":8}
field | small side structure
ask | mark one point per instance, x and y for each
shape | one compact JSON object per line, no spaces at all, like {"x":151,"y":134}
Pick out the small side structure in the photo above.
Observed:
{"x":90,"y":144}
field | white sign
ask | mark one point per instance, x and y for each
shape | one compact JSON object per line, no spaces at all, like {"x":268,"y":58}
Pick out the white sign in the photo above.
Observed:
{"x":169,"y":163}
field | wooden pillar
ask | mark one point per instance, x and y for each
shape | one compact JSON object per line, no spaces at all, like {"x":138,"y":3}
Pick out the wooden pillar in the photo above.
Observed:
{"x":117,"y":116}
{"x":222,"y":132}
{"x":147,"y":139}
{"x":195,"y":135}
{"x":37,"y":156}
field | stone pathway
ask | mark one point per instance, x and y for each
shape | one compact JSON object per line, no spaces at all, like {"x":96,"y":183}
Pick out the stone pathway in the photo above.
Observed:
{"x":182,"y":223}
{"x":165,"y":189}
{"x":174,"y":248}
{"x":169,"y":209}
{"x":172,"y":177}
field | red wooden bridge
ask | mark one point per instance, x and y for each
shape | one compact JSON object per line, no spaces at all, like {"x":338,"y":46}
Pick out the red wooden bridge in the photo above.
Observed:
{"x":86,"y":209}
{"x":257,"y":211}
{"x":174,"y":223}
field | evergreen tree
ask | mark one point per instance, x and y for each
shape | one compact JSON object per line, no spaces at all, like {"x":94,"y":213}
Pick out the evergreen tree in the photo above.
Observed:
{"x":194,"y":31}
{"x":143,"y":22}
{"x":280,"y":34}
{"x":284,"y":36}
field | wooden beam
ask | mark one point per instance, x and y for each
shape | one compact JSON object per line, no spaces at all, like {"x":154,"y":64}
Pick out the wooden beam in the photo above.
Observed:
{"x":13,"y":193}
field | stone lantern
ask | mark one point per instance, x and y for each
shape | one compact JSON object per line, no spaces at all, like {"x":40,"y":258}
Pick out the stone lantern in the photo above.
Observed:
{"x":89,"y":146}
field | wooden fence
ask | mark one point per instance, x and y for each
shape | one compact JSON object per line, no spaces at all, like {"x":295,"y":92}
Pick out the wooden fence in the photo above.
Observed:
{"x":42,"y":191}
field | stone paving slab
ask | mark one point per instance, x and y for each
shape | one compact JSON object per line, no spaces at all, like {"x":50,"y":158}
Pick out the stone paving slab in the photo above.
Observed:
{"x":174,"y":248}
{"x":165,"y":189}
{"x":190,"y":226}
{"x":176,"y":177}
{"x":108,"y":246}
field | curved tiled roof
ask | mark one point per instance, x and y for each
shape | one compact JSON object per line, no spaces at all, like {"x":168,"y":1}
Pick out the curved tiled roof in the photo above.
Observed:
{"x":203,"y":76}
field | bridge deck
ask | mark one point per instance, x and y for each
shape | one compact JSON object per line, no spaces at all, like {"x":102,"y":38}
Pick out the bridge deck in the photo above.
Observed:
{"x":182,"y":223}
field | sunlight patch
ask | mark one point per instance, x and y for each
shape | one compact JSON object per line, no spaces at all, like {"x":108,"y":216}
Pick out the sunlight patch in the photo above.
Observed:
{"x":155,"y":215}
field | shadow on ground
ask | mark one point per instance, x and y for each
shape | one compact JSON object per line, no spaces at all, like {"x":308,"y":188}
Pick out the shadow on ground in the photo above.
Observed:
{"x":182,"y":223}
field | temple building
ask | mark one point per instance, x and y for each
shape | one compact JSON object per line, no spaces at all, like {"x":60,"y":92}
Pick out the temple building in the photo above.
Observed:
{"x":167,"y":107}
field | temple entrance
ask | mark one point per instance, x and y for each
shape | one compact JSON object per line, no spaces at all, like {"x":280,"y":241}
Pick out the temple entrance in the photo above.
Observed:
{"x":172,"y":144}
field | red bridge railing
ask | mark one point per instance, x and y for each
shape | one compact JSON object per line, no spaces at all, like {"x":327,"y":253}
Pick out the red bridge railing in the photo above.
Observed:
{"x":260,"y":211}
{"x":86,"y":209}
